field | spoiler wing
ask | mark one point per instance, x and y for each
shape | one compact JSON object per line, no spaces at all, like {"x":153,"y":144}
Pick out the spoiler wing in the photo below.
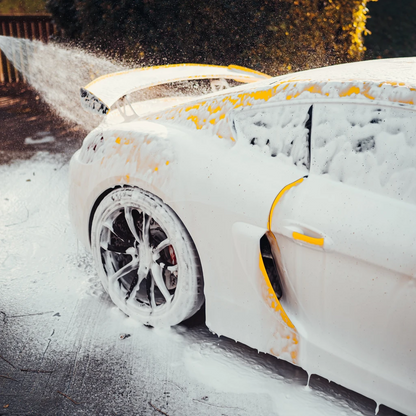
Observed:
{"x":99,"y":95}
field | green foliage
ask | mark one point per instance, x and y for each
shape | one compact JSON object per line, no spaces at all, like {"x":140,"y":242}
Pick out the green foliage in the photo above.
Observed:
{"x":22,"y":6}
{"x":270,"y":35}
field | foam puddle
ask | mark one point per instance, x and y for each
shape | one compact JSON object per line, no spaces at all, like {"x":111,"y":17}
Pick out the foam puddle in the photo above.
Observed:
{"x":238,"y":372}
{"x":57,"y":73}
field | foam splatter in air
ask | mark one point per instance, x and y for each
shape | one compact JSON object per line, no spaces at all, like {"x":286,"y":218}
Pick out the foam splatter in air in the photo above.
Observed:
{"x":57,"y":73}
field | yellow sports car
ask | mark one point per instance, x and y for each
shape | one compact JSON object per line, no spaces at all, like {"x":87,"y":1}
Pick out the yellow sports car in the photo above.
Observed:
{"x":287,"y":205}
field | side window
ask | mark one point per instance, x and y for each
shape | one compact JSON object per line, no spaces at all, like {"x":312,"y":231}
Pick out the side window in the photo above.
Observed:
{"x":279,"y":131}
{"x":370,"y":147}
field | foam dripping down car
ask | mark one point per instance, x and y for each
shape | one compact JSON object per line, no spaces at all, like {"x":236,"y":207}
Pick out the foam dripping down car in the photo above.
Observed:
{"x":287,"y":205}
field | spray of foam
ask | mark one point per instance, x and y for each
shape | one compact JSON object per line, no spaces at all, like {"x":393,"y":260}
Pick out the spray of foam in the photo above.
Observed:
{"x":57,"y":73}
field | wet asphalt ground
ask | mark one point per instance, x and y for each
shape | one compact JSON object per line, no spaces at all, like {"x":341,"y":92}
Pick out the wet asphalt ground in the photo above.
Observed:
{"x":25,"y":118}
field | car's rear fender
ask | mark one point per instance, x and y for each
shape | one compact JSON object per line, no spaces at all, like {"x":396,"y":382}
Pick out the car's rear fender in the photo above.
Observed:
{"x":222,"y":193}
{"x":130,"y":154}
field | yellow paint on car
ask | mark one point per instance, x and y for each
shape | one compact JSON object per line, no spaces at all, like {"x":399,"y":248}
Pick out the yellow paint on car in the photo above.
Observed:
{"x":366,"y":91}
{"x":277,"y":199}
{"x":195,"y":107}
{"x":119,"y":140}
{"x":195,"y":119}
{"x":276,"y":305}
{"x":252,"y":71}
{"x":264,"y":95}
{"x":231,"y":100}
{"x":314,"y":89}
{"x":289,"y":332}
{"x":349,"y":91}
{"x":152,"y":68}
{"x":214,"y":110}
{"x":310,"y":240}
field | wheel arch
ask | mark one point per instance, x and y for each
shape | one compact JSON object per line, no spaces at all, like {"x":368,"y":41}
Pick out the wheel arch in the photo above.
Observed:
{"x":95,"y":206}
{"x":106,"y":192}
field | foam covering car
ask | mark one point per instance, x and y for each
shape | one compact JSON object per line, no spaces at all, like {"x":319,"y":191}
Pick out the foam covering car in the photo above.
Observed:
{"x":286,"y":204}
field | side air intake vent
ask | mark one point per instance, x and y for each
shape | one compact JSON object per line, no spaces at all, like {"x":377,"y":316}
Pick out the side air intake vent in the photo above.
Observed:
{"x":271,"y":265}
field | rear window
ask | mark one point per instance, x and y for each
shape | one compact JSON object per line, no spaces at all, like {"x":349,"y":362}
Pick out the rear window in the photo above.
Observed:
{"x":370,"y":147}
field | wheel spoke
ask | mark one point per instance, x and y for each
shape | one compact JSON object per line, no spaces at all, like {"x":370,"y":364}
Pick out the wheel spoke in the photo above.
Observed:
{"x":151,"y":292}
{"x":158,"y":277}
{"x":109,"y":224}
{"x":142,"y":274}
{"x":115,"y":249}
{"x":132,"y":286}
{"x":123,"y":271}
{"x":146,"y":226}
{"x":165,"y":243}
{"x":128,"y":214}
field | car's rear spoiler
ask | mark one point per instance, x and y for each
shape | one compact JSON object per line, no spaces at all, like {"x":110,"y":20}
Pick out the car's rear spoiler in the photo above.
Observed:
{"x":99,"y":95}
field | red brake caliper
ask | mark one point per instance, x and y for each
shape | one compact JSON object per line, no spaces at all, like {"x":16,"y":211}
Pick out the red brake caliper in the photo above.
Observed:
{"x":172,"y":255}
{"x":171,"y":279}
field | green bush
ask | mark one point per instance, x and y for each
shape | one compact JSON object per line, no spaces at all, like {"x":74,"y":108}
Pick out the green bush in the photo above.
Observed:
{"x":275,"y":36}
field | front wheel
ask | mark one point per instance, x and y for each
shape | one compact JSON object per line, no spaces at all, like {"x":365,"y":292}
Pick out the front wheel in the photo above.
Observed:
{"x":146,"y":259}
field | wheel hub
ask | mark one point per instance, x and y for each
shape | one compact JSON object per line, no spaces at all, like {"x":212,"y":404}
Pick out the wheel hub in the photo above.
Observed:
{"x":145,"y":256}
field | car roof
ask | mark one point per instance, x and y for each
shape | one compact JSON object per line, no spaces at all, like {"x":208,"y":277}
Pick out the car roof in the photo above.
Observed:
{"x":396,"y":70}
{"x":388,"y":80}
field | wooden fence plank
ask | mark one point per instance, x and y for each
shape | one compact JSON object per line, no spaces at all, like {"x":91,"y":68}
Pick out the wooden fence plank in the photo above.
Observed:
{"x":2,"y":62}
{"x":2,"y":76}
{"x":33,"y":27}
{"x":15,"y":72}
{"x":8,"y":70}
{"x":22,"y":61}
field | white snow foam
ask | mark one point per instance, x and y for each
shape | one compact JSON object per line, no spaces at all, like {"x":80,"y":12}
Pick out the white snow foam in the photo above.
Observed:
{"x":57,"y":73}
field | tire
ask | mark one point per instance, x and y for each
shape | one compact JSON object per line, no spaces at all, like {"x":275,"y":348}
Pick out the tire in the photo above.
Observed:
{"x":145,"y":258}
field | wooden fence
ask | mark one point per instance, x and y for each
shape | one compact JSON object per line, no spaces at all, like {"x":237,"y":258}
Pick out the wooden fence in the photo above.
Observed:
{"x":32,"y":27}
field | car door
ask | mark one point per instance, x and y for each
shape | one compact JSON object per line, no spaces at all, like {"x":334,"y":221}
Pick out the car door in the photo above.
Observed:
{"x":347,"y":236}
{"x":272,"y":148}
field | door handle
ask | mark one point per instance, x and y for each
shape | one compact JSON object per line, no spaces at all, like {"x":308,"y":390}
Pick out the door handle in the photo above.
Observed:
{"x":310,"y":240}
